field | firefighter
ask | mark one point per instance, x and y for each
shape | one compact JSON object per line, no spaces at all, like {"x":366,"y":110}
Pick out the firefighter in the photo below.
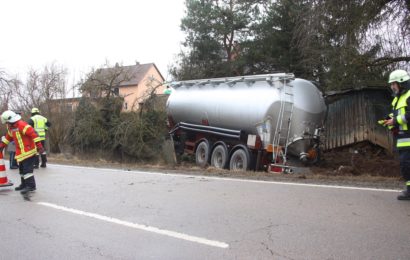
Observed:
{"x":41,"y":125}
{"x":399,"y":123}
{"x":27,"y":145}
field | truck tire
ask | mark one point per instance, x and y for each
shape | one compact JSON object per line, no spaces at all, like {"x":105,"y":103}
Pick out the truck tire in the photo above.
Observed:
{"x":202,"y":154}
{"x":240,"y":160}
{"x":219,"y":157}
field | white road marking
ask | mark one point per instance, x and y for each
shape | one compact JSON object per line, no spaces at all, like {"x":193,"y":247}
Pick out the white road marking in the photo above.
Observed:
{"x":164,"y":232}
{"x":233,"y":179}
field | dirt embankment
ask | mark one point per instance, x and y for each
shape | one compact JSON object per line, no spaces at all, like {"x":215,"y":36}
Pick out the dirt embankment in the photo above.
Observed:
{"x":360,"y":165}
{"x":360,"y":159}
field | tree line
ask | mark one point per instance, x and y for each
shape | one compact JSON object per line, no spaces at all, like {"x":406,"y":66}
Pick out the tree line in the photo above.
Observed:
{"x":340,"y":44}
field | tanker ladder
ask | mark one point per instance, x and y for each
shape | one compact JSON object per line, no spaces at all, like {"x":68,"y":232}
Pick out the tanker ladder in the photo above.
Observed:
{"x":282,"y":130}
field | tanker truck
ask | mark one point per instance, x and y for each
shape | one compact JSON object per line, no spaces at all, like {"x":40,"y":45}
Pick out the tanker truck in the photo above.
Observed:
{"x":247,"y":123}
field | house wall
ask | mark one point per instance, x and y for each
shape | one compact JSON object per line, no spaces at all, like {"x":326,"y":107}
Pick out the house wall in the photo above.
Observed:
{"x":353,"y":117}
{"x":63,"y":105}
{"x":133,"y":95}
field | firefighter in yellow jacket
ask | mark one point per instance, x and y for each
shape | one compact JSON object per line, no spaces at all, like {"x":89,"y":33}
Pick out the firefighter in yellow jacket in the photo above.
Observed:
{"x":27,"y":145}
{"x":41,"y":125}
{"x":399,"y":123}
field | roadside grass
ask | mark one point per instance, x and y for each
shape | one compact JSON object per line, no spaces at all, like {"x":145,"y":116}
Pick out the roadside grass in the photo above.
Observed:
{"x":303,"y":175}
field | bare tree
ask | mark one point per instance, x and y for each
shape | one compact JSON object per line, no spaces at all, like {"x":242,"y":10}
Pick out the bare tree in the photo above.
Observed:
{"x":5,"y":90}
{"x":40,"y":87}
{"x":105,"y":81}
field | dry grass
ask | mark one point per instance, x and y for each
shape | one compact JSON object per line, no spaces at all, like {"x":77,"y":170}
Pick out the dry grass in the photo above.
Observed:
{"x":306,"y":175}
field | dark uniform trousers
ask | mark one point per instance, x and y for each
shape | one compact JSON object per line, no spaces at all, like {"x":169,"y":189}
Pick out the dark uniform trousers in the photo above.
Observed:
{"x":404,"y":156}
{"x":26,"y":170}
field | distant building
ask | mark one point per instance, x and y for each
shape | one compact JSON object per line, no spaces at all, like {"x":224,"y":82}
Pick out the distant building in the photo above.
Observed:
{"x":134,"y":83}
{"x":64,"y":105}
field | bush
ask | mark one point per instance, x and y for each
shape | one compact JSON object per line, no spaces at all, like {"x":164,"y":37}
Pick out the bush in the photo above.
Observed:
{"x":132,"y":136}
{"x":141,"y":135}
{"x":88,"y":133}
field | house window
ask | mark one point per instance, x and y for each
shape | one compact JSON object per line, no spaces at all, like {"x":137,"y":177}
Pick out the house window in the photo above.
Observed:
{"x":65,"y":108}
{"x":125,"y":106}
{"x":116,"y":91}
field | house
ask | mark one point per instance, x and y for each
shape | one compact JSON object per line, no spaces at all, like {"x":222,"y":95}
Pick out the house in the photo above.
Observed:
{"x":145,"y":79}
{"x":134,"y":83}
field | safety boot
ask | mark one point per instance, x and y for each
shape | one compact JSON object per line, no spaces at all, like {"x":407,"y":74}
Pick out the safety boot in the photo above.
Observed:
{"x":30,"y":185}
{"x":21,"y":186}
{"x":43,"y":161}
{"x":27,"y":190}
{"x":36,"y":161}
{"x":405,"y":195}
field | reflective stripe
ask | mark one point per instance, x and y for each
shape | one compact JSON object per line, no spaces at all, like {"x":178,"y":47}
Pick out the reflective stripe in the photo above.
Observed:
{"x":20,"y":142}
{"x":25,"y":155}
{"x":393,"y":103}
{"x":403,"y":121}
{"x":37,"y":139}
{"x":408,"y":183}
{"x":25,"y":129}
{"x":28,"y":175}
{"x":399,"y":119}
{"x":5,"y":141}
{"x":403,"y":118}
{"x":403,"y":142}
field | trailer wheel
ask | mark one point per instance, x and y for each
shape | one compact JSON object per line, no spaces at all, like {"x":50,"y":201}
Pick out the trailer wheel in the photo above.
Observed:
{"x":202,"y":154}
{"x":219,"y":157}
{"x":240,"y":160}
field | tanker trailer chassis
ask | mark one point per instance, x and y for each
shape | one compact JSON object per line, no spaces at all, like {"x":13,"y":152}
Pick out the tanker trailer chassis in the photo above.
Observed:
{"x":227,"y":148}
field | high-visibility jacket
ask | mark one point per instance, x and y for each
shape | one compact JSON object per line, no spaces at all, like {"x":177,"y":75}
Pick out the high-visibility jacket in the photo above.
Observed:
{"x":401,"y":118}
{"x":23,"y":136}
{"x":40,"y":125}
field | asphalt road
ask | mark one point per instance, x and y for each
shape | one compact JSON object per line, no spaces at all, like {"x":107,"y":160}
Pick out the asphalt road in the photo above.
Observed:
{"x":89,"y":213}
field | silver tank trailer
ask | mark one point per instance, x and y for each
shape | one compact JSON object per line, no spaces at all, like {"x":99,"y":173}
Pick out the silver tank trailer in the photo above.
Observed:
{"x":253,"y":104}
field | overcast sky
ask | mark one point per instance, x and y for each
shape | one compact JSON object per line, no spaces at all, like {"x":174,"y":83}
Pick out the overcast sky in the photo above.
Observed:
{"x":81,"y":34}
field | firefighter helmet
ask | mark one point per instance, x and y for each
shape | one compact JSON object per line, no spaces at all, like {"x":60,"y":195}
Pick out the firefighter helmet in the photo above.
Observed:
{"x":9,"y":117}
{"x":35,"y":110}
{"x":399,"y":76}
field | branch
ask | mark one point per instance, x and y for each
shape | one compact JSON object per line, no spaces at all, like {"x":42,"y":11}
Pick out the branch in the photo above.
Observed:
{"x":388,"y":60}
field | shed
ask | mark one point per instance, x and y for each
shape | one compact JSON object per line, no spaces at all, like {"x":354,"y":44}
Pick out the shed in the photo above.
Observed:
{"x":352,"y":117}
